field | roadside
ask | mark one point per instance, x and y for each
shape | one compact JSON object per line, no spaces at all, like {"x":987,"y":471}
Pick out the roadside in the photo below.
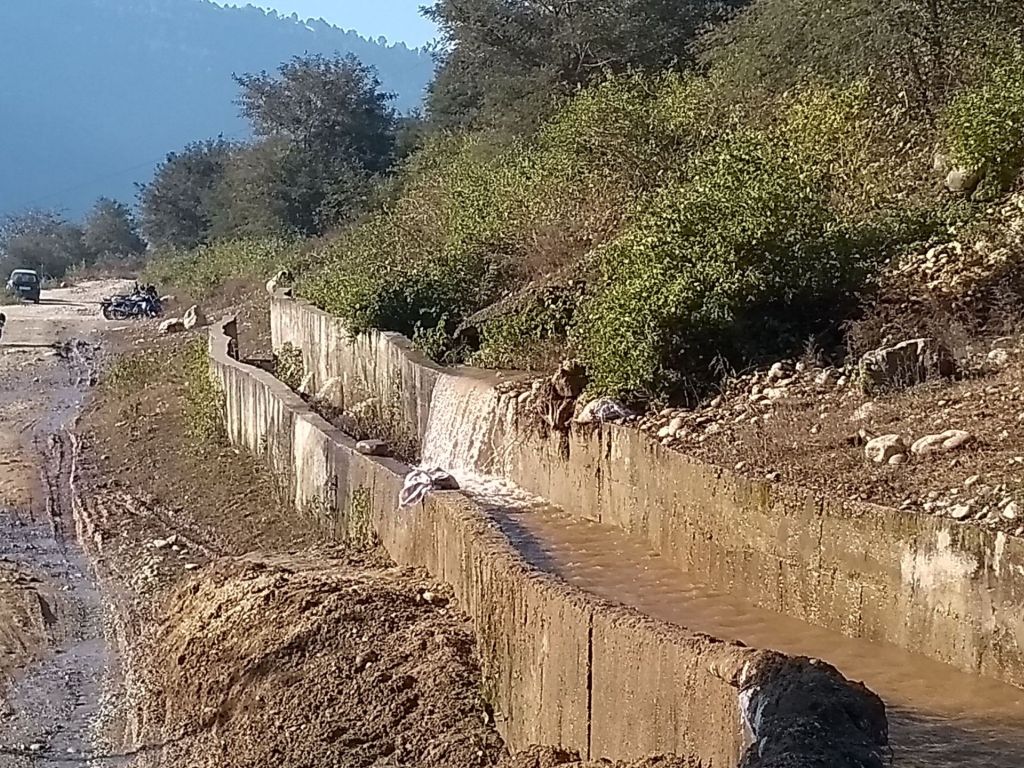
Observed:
{"x":53,"y":655}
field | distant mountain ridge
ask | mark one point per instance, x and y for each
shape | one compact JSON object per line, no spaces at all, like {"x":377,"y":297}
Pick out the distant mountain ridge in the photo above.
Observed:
{"x":93,"y":93}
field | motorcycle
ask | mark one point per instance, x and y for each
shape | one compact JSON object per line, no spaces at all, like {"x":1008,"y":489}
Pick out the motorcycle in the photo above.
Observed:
{"x":143,"y":302}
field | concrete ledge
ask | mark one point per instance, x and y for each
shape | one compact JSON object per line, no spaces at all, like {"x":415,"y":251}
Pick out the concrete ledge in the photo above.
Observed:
{"x":560,"y":667}
{"x":950,"y":591}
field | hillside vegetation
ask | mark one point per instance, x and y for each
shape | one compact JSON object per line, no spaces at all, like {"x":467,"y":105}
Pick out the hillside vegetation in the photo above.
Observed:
{"x":672,"y":207}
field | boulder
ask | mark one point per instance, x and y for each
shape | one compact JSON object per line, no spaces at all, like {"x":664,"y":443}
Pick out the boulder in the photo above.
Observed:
{"x":172,"y":325}
{"x":963,"y":181}
{"x":905,"y":364}
{"x":281,"y":280}
{"x":881,"y":449}
{"x":943,"y":442}
{"x":330,"y":388}
{"x":193,"y":318}
{"x":372,"y":447}
{"x":999,"y":357}
{"x":569,"y":380}
{"x":602,"y":410}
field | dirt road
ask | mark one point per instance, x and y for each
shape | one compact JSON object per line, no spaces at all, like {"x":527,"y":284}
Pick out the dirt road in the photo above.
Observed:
{"x":53,"y":656}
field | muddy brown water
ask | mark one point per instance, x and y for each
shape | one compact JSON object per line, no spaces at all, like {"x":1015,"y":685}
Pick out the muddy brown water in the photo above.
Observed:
{"x":938,"y":716}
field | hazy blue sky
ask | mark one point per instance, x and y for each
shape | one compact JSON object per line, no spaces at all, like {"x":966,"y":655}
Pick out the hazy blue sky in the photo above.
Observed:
{"x":395,"y":19}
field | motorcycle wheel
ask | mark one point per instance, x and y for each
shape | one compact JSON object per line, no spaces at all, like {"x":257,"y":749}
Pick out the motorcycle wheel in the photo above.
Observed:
{"x":119,"y":314}
{"x":107,"y":313}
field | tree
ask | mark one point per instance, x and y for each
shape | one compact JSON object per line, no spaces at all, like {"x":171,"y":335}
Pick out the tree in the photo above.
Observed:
{"x":506,"y":62}
{"x":252,"y":196}
{"x":177,"y":206}
{"x":333,"y":129}
{"x":43,"y":241}
{"x":110,"y":231}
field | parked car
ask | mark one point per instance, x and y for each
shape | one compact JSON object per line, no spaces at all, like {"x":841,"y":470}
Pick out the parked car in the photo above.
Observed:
{"x":25,"y":284}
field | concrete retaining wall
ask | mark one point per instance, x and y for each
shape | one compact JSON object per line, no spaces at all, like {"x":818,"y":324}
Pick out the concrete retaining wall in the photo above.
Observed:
{"x":553,"y":659}
{"x":950,"y":591}
{"x":560,"y":667}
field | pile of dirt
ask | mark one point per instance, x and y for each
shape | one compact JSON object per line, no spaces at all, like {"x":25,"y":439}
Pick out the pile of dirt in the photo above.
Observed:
{"x":803,"y":712}
{"x":291,"y":662}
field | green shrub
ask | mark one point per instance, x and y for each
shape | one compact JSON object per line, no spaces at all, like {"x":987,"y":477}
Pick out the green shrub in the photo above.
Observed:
{"x":439,"y":250}
{"x":204,"y":399}
{"x":289,"y":366}
{"x":746,"y":256}
{"x":202,"y":270}
{"x":984,"y":123}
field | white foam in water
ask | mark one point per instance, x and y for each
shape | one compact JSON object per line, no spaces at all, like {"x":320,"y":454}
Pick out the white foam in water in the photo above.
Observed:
{"x":463,"y":437}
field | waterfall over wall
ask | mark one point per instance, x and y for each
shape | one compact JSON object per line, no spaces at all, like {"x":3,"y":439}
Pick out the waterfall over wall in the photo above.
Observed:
{"x":467,"y":433}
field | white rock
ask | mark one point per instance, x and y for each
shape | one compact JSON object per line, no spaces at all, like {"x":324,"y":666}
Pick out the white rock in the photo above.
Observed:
{"x":776,"y":372}
{"x":881,"y":449}
{"x":865,"y":411}
{"x":603,"y":409}
{"x":277,"y":281}
{"x":899,"y":458}
{"x":664,"y":433}
{"x":1011,"y":511}
{"x":826,"y":378}
{"x":333,"y":385}
{"x":191,"y":566}
{"x":172,"y":325}
{"x":960,"y":511}
{"x":943,"y":442}
{"x":999,"y":357}
{"x":193,"y":318}
{"x":676,"y":425}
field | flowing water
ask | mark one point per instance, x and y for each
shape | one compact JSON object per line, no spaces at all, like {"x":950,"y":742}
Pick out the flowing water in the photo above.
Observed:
{"x":938,"y":716}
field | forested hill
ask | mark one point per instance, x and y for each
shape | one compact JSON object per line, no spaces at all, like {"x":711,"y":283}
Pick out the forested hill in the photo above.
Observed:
{"x":94,"y":92}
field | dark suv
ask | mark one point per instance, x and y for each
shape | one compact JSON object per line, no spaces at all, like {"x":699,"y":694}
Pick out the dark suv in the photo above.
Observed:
{"x":25,"y":284}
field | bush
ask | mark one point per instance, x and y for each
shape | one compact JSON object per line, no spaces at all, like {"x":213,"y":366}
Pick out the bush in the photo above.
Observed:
{"x":202,"y":270}
{"x":473,"y":218}
{"x":747,"y":256}
{"x":984,"y":124}
{"x":438,"y":250}
{"x":700,"y":235}
{"x":204,"y":399}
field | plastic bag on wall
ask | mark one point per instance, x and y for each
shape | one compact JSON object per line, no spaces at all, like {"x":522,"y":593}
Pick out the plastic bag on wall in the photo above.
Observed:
{"x":419,"y":482}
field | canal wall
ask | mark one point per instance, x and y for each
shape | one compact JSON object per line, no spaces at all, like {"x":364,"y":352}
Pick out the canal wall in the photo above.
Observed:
{"x":560,"y":667}
{"x":950,"y":591}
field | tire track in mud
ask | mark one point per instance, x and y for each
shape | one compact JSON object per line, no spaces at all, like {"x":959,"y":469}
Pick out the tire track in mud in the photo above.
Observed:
{"x":53,"y":710}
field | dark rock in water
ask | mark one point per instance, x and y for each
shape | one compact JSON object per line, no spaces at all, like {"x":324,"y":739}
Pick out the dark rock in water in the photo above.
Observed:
{"x":373,"y":447}
{"x":805,"y":713}
{"x":446,"y":483}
